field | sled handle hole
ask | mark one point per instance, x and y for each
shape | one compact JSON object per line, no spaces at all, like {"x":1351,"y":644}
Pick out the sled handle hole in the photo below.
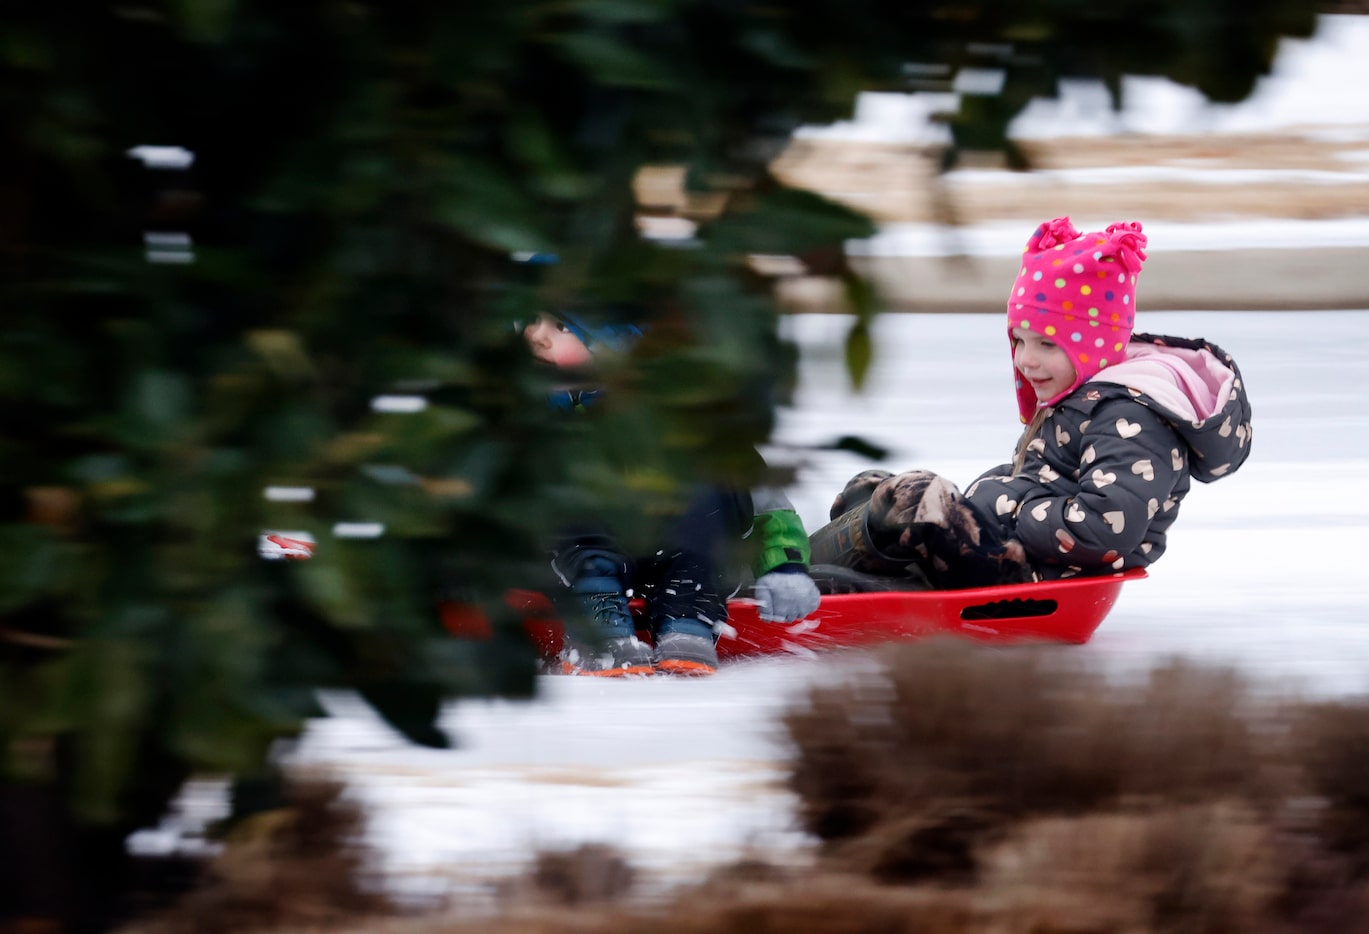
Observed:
{"x":1009,"y":609}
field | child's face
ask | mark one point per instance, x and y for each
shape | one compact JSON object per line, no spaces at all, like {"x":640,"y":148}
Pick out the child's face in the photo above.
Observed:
{"x":551,"y":341}
{"x":1042,"y":362}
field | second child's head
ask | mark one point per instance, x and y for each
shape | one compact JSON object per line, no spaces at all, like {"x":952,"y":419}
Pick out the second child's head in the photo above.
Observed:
{"x":1072,"y":308}
{"x":569,"y":341}
{"x":554,"y":341}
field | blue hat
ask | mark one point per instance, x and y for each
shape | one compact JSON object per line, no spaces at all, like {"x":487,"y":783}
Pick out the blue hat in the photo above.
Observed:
{"x":595,"y":332}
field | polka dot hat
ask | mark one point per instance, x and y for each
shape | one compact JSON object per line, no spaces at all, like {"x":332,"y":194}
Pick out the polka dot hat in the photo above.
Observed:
{"x":1079,"y":290}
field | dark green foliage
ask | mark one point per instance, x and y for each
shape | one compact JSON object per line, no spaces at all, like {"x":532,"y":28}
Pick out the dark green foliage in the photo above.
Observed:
{"x":361,"y":172}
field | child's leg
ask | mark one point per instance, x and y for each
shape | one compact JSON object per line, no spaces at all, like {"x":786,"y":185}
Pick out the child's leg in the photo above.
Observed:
{"x":857,"y":491}
{"x":580,"y":557}
{"x":845,"y":542}
{"x":686,"y":582}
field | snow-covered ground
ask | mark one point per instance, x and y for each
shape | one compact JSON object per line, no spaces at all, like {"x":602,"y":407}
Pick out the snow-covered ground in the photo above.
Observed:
{"x":1263,"y":570}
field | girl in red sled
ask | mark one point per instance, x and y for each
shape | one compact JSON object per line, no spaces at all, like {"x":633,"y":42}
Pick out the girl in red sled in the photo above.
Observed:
{"x":1118,"y":425}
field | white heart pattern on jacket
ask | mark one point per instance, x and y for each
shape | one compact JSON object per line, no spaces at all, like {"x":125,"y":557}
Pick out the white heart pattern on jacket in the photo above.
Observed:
{"x":1062,"y":437}
{"x":1127,"y":429}
{"x":1117,"y":521}
{"x":1040,"y":511}
{"x":1101,"y":479}
{"x":1144,"y":469}
{"x":1075,"y":513}
{"x":1047,"y":474}
{"x":1003,"y":506}
{"x":1088,"y":455}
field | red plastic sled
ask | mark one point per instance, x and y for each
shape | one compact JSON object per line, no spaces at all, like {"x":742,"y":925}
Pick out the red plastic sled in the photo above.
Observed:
{"x":1052,"y":611}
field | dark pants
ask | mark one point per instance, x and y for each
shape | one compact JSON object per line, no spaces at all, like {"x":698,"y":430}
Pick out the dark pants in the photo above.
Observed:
{"x":692,"y":571}
{"x":917,"y":523}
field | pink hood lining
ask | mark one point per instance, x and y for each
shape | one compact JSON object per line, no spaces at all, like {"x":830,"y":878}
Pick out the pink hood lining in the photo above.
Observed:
{"x":1192,"y":384}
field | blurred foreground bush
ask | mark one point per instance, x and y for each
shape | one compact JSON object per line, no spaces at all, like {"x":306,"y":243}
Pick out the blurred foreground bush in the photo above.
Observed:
{"x":1057,"y":798}
{"x":960,"y":789}
{"x":226,"y":227}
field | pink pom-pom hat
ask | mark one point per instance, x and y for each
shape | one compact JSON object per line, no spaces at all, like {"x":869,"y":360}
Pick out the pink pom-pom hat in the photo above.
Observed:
{"x":1079,"y":290}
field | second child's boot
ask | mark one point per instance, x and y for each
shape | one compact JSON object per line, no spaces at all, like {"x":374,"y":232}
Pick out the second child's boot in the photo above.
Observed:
{"x":605,"y":642}
{"x":684,"y":646}
{"x":684,"y":603}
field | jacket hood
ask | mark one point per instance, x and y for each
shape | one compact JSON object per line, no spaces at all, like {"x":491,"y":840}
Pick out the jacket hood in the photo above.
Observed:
{"x":1198,"y":389}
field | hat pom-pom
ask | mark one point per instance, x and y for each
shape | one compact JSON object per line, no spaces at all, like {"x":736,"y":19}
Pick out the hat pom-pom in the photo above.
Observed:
{"x":1129,"y":243}
{"x":1052,"y":234}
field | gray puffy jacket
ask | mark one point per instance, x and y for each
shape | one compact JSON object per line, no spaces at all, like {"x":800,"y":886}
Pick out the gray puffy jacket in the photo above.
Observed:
{"x":1102,"y":480}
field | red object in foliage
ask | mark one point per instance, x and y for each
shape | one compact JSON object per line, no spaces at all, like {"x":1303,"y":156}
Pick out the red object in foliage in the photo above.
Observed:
{"x":1066,"y":611}
{"x":293,"y":546}
{"x":468,"y":621}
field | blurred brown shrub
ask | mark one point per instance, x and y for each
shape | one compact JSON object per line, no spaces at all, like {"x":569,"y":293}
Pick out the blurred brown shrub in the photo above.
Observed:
{"x":954,"y":790}
{"x":299,"y":867}
{"x":1009,"y":734}
{"x":1179,"y":800}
